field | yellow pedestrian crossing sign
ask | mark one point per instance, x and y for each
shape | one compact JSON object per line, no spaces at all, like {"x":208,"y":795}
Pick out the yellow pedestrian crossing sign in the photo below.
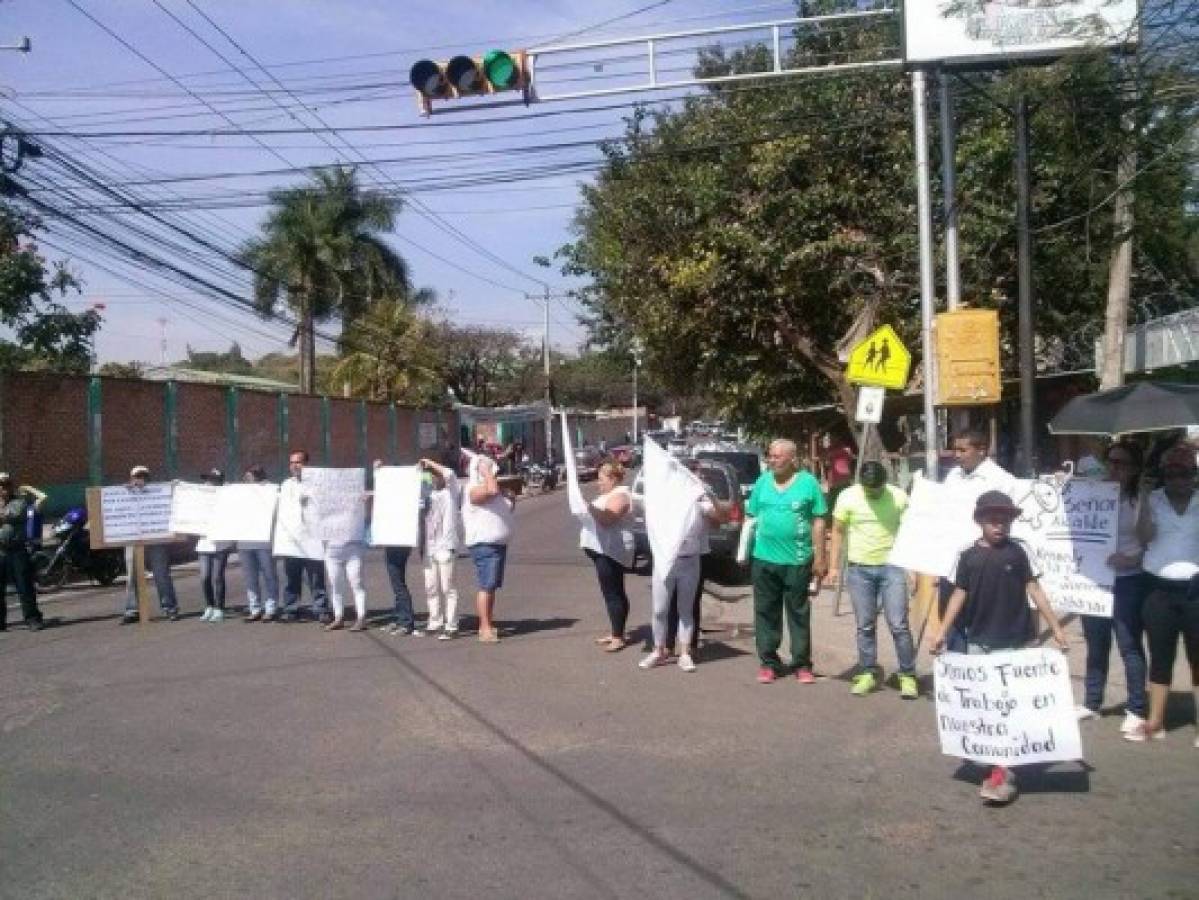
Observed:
{"x":881,"y":360}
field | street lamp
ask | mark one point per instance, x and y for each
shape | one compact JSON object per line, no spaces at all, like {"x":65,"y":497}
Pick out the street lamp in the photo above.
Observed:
{"x":637,"y":348}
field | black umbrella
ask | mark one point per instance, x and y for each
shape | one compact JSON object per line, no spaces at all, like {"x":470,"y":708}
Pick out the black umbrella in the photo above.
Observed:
{"x":1144,"y":406}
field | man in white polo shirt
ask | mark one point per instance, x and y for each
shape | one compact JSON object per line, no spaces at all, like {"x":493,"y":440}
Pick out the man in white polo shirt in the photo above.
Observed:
{"x":974,"y":475}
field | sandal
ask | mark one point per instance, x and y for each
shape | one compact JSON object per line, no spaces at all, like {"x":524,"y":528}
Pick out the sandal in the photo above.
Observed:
{"x":490,"y":636}
{"x":335,"y":625}
{"x":615,"y":645}
{"x":604,"y":639}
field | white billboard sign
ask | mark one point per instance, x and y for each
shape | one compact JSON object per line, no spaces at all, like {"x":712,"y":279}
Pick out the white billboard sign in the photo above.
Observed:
{"x":976,"y":31}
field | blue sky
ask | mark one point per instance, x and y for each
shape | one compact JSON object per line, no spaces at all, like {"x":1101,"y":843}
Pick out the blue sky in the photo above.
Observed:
{"x":347,"y":60}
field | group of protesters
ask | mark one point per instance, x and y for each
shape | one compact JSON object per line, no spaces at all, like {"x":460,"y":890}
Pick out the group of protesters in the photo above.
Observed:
{"x":983,"y":601}
{"x":478,"y":518}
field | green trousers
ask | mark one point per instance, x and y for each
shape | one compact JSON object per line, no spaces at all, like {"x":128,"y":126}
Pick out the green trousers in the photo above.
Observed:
{"x":779,"y":588}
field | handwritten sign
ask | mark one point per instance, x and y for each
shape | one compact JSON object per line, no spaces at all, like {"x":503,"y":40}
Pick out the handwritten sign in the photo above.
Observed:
{"x":295,"y":523}
{"x":1008,"y":708}
{"x":395,"y":516}
{"x":245,"y":513}
{"x":937,"y":524}
{"x":135,"y":515}
{"x":337,"y":495}
{"x":1071,"y":530}
{"x":192,"y":506}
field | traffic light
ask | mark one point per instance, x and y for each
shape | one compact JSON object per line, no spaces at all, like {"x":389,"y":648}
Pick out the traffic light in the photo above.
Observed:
{"x":466,"y":76}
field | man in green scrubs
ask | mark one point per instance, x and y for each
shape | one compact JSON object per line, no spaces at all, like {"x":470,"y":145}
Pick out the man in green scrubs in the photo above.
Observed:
{"x":787,"y":506}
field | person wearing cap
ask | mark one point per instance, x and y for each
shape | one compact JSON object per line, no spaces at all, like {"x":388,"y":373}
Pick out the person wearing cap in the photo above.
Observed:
{"x":158,"y":561}
{"x":993,"y":580}
{"x":214,"y":558}
{"x":974,"y":475}
{"x":1169,"y":529}
{"x":865,"y":521}
{"x":788,"y":509}
{"x":15,"y":565}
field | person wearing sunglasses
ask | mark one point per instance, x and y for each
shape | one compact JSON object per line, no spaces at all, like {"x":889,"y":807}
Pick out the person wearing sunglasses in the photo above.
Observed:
{"x":1169,"y":529}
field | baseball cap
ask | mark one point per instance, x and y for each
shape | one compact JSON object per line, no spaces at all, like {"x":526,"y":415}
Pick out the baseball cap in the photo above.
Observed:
{"x":5,"y":478}
{"x":996,"y":502}
{"x":873,"y":475}
{"x":138,"y":470}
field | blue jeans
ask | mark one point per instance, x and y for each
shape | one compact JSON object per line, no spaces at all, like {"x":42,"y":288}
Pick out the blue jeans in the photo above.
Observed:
{"x":297,"y":570}
{"x":158,"y":561}
{"x":872,"y":588}
{"x":397,"y":563}
{"x":258,"y":570}
{"x":955,"y":638}
{"x":1128,"y":595}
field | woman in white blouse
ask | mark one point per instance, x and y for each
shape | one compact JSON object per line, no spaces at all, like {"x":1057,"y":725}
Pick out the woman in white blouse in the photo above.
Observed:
{"x":1169,"y":528}
{"x":609,"y":546}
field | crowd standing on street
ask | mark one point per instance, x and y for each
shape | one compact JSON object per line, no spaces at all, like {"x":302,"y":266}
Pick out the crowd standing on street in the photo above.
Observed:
{"x":983,"y":602}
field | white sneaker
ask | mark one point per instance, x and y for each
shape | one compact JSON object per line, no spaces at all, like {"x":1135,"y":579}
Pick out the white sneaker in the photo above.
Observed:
{"x":654,"y":659}
{"x":1083,"y":713}
{"x":207,"y":616}
{"x":218,"y":615}
{"x":446,"y":635}
{"x":686,"y":663}
{"x":1131,"y":723}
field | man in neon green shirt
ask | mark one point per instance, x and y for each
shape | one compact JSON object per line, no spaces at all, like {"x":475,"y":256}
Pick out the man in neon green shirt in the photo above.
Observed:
{"x":866,"y":518}
{"x":787,"y":507}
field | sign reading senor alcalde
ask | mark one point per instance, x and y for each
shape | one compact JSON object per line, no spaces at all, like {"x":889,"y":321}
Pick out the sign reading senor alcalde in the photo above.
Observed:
{"x":973,"y":31}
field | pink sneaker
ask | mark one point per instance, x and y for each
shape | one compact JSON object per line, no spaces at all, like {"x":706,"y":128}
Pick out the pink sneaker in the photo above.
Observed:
{"x":766,"y":675}
{"x":805,"y":676}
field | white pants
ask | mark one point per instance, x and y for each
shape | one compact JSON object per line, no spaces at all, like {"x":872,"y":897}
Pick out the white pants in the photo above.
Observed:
{"x":439,"y":586}
{"x":345,"y":558}
{"x":681,"y":580}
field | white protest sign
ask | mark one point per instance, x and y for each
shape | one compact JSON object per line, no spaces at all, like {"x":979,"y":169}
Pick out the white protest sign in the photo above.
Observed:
{"x":295,"y":523}
{"x":244,"y":513}
{"x":1007,"y":708}
{"x":672,"y":497}
{"x":191,"y":507}
{"x":1071,"y":531}
{"x":338,"y":497}
{"x":574,"y":493}
{"x":395,"y":512}
{"x":130,"y":515}
{"x":936,"y":526}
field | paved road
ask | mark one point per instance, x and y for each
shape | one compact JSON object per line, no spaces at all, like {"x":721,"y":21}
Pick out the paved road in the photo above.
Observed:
{"x":195,"y":760}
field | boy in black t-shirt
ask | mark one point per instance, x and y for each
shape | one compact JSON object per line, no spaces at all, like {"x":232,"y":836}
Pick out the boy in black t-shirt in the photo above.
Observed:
{"x":993,"y":579}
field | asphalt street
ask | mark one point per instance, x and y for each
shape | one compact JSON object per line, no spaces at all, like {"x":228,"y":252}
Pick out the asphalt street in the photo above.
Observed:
{"x":195,"y":760}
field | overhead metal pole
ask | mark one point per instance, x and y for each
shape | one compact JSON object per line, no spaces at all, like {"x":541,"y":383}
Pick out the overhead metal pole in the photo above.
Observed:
{"x":1025,"y":312}
{"x":949,"y":177}
{"x":927,"y":282}
{"x":545,"y":362}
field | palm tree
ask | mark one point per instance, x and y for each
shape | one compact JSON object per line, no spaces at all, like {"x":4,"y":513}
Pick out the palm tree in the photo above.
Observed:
{"x":390,"y":353}
{"x":320,"y":255}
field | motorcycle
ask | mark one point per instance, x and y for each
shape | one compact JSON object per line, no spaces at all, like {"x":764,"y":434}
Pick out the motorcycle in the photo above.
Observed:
{"x":72,"y":557}
{"x":543,"y":477}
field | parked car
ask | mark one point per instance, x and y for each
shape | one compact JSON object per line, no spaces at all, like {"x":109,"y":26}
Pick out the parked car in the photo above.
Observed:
{"x":721,"y":479}
{"x":746,"y":459}
{"x":587,"y":462}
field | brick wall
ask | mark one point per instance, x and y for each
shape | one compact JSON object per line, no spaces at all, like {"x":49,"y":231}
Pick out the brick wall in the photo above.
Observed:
{"x":202,"y":429}
{"x":45,"y":438}
{"x":304,"y":427}
{"x":258,"y":434}
{"x":133,"y":430}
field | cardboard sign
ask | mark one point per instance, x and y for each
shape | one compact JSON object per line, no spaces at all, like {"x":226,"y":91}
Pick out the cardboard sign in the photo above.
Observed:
{"x":338,"y":495}
{"x":936,"y":526}
{"x":244,"y":513}
{"x":135,"y":515}
{"x":395,"y":512}
{"x":192,"y":506}
{"x":1008,"y":708}
{"x":295,"y":522}
{"x":1071,"y":530}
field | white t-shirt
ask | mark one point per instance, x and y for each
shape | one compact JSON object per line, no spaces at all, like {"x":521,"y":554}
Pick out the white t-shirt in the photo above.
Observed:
{"x":615,"y":541}
{"x":696,"y":542}
{"x":988,"y":475}
{"x":489,"y":522}
{"x":1174,"y":551}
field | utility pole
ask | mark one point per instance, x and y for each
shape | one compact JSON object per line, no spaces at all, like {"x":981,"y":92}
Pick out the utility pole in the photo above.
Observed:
{"x":637,"y":350}
{"x":927,"y":282}
{"x":162,"y":341}
{"x":1024,"y":330}
{"x":545,"y":361}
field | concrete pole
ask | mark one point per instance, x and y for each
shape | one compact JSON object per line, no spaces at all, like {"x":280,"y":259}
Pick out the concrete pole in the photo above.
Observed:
{"x":927,"y":283}
{"x":1025,"y":311}
{"x":953,"y":287}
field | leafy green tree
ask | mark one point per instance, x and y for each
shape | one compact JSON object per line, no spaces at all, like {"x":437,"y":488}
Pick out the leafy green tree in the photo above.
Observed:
{"x":321,"y":256}
{"x":132,"y":369}
{"x":479,"y":365}
{"x":749,"y":236}
{"x":48,"y":336}
{"x":392,"y":357}
{"x":232,"y":362}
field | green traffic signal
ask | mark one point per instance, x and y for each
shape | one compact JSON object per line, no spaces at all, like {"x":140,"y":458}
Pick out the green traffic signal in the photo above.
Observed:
{"x":500,"y":69}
